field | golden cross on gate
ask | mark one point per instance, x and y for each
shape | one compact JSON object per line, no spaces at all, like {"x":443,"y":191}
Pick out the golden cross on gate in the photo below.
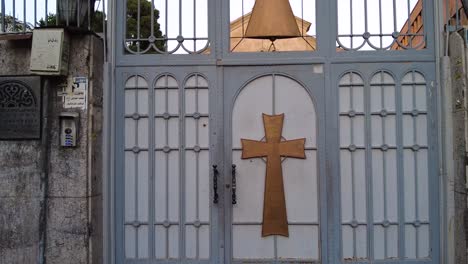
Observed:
{"x":275,"y":220}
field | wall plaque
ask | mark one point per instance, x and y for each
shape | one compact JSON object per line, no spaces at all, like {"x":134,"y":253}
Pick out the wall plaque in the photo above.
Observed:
{"x":20,"y":107}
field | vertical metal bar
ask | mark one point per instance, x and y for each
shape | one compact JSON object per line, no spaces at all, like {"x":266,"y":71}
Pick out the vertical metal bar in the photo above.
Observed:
{"x":180,"y":17}
{"x":275,"y":245}
{"x":78,"y":13}
{"x":24,"y":15}
{"x":166,"y":32}
{"x":152,"y":18}
{"x":89,"y":13}
{"x":243,"y":29}
{"x":351,"y":26}
{"x":368,"y":170}
{"x":353,"y":183}
{"x":197,"y":171}
{"x":136,"y":165}
{"x":195,"y":30}
{"x":46,"y":17}
{"x":365,"y":16}
{"x":138,"y":25}
{"x":57,"y":17}
{"x":395,"y":26}
{"x":14,"y":16}
{"x":400,"y":172}
{"x":353,"y":191}
{"x":380,"y":23}
{"x":35,"y":13}
{"x":166,"y":155}
{"x":3,"y":16}
{"x":384,"y":162}
{"x":68,"y":13}
{"x":182,"y":159}
{"x":151,"y":165}
{"x":410,"y":37}
{"x":415,"y":158}
{"x":104,"y":28}
{"x":457,"y":15}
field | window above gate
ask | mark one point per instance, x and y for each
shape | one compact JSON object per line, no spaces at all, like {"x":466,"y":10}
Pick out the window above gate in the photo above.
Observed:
{"x":380,"y":25}
{"x":272,"y":25}
{"x":166,"y":27}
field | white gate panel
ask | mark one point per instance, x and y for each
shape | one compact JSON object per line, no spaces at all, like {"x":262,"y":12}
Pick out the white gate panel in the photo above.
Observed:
{"x":166,"y":169}
{"x":415,"y":165}
{"x":136,"y":169}
{"x":275,"y":94}
{"x":384,"y":177}
{"x":197,"y":192}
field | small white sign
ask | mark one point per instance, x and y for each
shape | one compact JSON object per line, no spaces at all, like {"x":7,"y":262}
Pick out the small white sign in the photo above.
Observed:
{"x":76,"y":93}
{"x":49,"y":52}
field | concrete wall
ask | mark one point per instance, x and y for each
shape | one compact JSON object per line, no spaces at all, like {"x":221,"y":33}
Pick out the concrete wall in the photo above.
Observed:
{"x":455,"y":88}
{"x":50,"y":197}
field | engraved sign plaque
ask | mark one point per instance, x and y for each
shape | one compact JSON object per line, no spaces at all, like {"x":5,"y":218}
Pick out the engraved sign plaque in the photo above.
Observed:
{"x":20,"y":107}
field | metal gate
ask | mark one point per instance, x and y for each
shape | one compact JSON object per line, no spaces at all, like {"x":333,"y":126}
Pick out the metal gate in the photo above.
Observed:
{"x":367,"y":190}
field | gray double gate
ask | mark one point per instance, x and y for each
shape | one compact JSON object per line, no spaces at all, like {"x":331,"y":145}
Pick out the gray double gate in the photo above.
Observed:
{"x":373,"y":150}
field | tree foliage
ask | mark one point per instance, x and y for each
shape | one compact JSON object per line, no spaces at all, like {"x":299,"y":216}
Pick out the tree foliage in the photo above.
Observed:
{"x":144,"y":28}
{"x":96,"y":21}
{"x":13,"y":24}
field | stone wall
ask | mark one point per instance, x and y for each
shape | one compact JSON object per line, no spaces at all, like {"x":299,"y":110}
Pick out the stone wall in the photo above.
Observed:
{"x":455,"y":76}
{"x":50,"y":196}
{"x":458,"y":186}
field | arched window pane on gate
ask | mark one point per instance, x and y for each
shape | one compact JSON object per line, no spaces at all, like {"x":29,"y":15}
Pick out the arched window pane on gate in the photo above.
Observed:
{"x":272,"y":25}
{"x":384,"y":167}
{"x":354,"y":231}
{"x":380,"y":25}
{"x":166,"y":27}
{"x":384,"y":178}
{"x":137,"y":169}
{"x":415,"y":166}
{"x":280,"y":95}
{"x":197,"y":182}
{"x":166,"y":168}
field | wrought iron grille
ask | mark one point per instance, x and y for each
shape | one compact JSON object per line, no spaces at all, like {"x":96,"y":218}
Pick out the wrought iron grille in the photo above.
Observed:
{"x":167,"y":213}
{"x":380,"y":25}
{"x":455,"y":14}
{"x":304,"y":14}
{"x":22,"y":16}
{"x":372,"y":210}
{"x":166,"y":27}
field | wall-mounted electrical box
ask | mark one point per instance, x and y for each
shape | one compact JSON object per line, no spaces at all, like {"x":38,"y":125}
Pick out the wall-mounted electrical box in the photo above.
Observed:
{"x":69,"y":129}
{"x":50,"y":52}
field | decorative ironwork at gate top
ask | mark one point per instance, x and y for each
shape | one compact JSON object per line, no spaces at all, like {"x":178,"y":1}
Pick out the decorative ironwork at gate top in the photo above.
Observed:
{"x":191,"y":27}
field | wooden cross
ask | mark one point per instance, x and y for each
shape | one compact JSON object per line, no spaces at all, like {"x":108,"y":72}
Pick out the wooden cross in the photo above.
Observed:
{"x":275,"y":220}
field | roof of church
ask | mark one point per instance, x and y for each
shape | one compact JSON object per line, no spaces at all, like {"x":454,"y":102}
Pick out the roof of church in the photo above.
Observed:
{"x":240,"y":44}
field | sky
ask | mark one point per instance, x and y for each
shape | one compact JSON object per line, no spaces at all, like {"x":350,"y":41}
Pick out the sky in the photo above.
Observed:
{"x":199,"y":25}
{"x":41,"y":7}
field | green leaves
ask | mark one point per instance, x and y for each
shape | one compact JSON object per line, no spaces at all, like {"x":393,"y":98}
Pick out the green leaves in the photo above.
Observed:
{"x":143,"y":29}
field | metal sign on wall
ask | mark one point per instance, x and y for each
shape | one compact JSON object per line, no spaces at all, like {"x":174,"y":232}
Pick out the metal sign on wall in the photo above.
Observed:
{"x":20,"y":107}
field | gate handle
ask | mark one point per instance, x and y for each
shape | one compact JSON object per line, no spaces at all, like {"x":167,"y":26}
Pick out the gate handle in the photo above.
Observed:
{"x":233,"y":171}
{"x":215,"y":184}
